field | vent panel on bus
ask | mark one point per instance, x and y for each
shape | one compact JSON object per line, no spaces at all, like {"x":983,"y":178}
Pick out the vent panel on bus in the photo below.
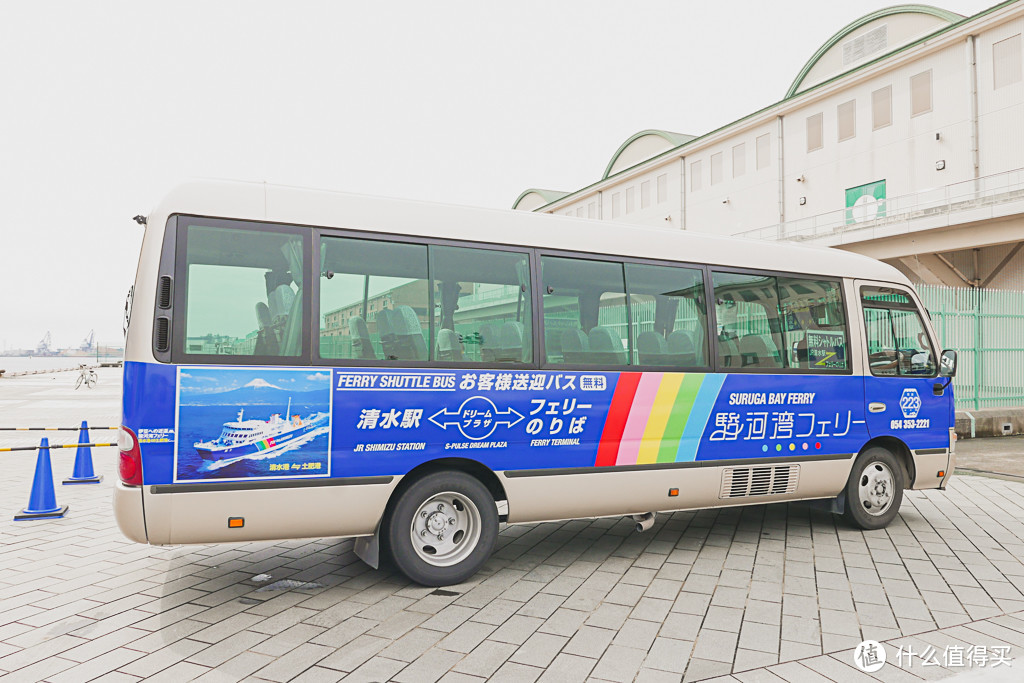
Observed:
{"x":164,"y":296}
{"x":163,"y":342}
{"x":741,"y":482}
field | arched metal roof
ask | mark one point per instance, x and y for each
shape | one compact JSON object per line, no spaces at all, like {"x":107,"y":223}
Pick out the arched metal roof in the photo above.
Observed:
{"x":945,"y":15}
{"x":674,"y":139}
{"x":548,"y":195}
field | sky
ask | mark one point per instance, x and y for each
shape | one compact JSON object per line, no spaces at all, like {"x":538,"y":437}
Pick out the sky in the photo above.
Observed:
{"x":220,"y":380}
{"x":105,"y":106}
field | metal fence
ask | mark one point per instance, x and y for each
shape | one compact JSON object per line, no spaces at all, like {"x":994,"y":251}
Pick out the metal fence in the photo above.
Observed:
{"x":986,"y":328}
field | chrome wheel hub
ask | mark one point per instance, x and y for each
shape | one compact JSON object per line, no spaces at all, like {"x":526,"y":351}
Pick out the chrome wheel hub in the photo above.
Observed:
{"x":876,"y":488}
{"x":445,"y":529}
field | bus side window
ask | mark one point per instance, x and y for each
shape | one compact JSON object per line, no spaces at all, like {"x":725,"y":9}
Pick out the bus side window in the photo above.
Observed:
{"x":243,"y":302}
{"x":374,"y":300}
{"x":898,"y":343}
{"x":814,"y":324}
{"x":482,"y":310}
{"x":668,"y":313}
{"x":585,"y":315}
{"x":747,"y":311}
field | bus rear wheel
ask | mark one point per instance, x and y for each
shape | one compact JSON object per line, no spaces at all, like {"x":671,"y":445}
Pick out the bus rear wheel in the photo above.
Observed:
{"x":875,"y":489}
{"x":442,"y":528}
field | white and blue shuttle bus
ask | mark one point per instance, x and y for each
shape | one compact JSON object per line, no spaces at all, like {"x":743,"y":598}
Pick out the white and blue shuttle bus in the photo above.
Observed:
{"x":315,"y":364}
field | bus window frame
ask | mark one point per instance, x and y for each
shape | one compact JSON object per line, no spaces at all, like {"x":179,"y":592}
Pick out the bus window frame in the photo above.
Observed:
{"x":623,"y":261}
{"x":320,"y":232}
{"x":310,"y":355}
{"x":179,"y":314}
{"x":166,"y":269}
{"x":915,"y":305}
{"x":713,"y":314}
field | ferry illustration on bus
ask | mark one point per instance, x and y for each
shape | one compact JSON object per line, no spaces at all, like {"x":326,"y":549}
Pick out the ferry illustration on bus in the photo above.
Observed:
{"x":264,"y":437}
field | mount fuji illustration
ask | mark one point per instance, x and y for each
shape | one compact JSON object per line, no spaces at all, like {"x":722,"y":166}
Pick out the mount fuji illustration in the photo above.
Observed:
{"x":258,"y":392}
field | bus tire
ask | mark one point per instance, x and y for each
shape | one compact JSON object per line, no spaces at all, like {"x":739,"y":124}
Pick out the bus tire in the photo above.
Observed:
{"x":874,"y":490}
{"x":442,"y":528}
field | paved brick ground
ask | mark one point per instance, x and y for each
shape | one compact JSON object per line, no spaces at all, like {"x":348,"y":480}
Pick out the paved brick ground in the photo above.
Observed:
{"x":767,"y":593}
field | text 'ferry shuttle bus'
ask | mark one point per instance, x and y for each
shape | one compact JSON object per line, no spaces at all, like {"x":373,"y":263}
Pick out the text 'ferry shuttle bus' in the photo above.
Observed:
{"x":445,"y":369}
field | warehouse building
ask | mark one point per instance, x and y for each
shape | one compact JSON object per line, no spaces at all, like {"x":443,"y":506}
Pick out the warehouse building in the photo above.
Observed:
{"x":901,"y":138}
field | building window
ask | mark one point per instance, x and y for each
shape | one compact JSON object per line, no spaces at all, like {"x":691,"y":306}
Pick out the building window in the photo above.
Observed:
{"x":763,"y":151}
{"x":814,"y":137}
{"x":846,"y":114}
{"x":629,"y":200}
{"x":716,"y":168}
{"x":695,"y":176}
{"x":881,"y":108}
{"x":645,"y":194}
{"x":592,"y":210}
{"x":739,"y":160}
{"x":1006,"y":62}
{"x":616,"y":204}
{"x":663,"y":188}
{"x":921,"y":93}
{"x":580,"y":211}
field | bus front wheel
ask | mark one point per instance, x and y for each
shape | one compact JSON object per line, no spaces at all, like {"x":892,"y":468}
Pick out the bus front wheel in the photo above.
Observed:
{"x":875,"y":489}
{"x":442,"y":528}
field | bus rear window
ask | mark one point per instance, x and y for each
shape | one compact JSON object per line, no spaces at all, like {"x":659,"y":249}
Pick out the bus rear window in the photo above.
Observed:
{"x":243,"y":292}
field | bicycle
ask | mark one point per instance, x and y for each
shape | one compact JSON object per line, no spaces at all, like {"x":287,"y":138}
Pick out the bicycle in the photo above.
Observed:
{"x":86,"y":375}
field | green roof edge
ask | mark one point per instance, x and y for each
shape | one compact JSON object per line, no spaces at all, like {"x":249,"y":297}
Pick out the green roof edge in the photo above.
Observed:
{"x":550,"y":195}
{"x":675,"y":139}
{"x":937,"y":12}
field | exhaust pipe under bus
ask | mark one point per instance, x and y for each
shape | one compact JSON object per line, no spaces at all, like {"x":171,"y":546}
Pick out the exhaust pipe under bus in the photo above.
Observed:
{"x":644,"y":521}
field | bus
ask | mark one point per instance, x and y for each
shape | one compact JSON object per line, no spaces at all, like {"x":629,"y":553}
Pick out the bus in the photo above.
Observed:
{"x":306,"y":364}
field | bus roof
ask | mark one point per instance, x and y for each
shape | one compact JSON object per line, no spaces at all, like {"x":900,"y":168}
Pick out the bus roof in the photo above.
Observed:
{"x":301,"y":206}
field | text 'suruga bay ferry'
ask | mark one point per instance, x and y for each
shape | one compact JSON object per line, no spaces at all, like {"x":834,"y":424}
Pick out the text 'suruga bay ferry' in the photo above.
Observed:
{"x":246,"y":437}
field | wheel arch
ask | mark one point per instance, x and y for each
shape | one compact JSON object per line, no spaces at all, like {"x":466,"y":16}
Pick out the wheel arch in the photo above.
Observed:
{"x":903,"y":456}
{"x":474,"y":468}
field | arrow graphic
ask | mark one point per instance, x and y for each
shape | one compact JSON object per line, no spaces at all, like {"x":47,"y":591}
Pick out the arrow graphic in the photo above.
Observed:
{"x":476,"y":418}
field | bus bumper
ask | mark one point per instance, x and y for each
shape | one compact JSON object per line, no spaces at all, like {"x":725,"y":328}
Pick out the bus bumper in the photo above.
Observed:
{"x":128,"y":512}
{"x":950,"y":466}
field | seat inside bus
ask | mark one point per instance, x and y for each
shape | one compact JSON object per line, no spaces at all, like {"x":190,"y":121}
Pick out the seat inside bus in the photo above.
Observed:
{"x":748,"y":315}
{"x":362,"y":347}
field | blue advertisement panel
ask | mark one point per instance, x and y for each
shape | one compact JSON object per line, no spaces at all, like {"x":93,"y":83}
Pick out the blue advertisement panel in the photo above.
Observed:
{"x":389,"y":421}
{"x":201,"y":424}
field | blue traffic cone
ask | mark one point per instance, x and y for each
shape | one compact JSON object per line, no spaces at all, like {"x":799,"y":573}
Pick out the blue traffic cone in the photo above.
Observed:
{"x":83,"y":473}
{"x":42,"y":502}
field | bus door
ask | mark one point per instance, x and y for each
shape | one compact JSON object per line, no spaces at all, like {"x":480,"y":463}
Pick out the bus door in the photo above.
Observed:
{"x":904,"y":395}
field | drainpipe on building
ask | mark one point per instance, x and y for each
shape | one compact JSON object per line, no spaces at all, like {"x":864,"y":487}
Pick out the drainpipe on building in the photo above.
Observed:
{"x":782,"y":182}
{"x":972,"y":67}
{"x":682,"y":192}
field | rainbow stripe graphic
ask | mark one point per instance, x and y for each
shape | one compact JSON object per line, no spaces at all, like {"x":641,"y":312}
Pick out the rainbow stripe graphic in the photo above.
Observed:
{"x":265,"y":444}
{"x":657,"y":417}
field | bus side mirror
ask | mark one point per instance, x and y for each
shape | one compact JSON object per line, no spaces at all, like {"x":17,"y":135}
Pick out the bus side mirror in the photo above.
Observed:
{"x":947,"y":364}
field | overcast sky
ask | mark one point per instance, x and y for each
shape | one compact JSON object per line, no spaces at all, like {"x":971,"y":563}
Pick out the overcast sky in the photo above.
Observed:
{"x":104,"y":106}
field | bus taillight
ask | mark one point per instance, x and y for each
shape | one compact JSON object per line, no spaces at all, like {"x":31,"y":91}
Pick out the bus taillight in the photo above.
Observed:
{"x":130,"y":468}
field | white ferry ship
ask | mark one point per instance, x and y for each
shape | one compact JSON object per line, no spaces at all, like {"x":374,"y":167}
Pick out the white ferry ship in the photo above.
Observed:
{"x":246,"y":437}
